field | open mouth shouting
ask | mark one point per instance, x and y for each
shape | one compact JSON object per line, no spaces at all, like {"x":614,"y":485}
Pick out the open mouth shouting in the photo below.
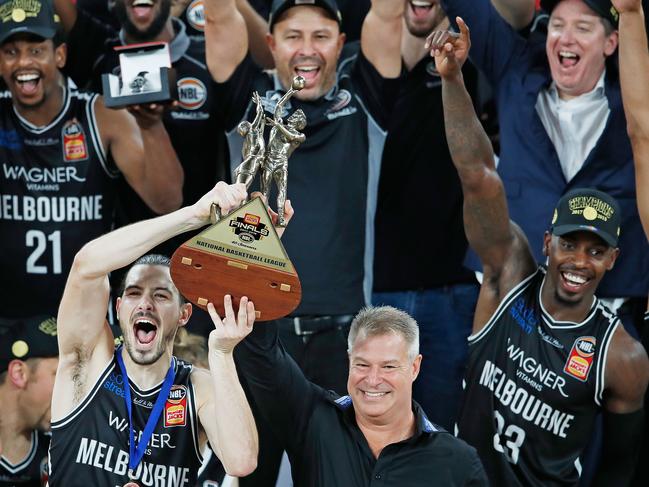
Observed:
{"x":142,"y":9}
{"x":421,"y":8}
{"x":27,"y":82}
{"x":568,"y":59}
{"x":145,"y":329}
{"x":309,"y":69}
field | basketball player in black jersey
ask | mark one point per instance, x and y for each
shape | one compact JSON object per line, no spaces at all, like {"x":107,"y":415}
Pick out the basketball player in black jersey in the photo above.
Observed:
{"x":93,"y":415}
{"x":61,"y":151}
{"x":545,"y":355}
{"x":634,"y":80}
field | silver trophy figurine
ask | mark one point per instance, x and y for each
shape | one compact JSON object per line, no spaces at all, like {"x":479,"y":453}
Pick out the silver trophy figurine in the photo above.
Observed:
{"x":270,"y":158}
{"x":283,"y":140}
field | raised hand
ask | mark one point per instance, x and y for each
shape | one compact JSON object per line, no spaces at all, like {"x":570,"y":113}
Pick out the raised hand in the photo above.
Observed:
{"x":449,"y":49}
{"x":231,"y":329}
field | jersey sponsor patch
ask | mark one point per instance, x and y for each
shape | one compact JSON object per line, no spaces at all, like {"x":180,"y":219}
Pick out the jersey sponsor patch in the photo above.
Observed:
{"x":196,"y":15}
{"x":191,"y":93}
{"x":581,"y":358}
{"x":74,"y":141}
{"x":176,"y":407}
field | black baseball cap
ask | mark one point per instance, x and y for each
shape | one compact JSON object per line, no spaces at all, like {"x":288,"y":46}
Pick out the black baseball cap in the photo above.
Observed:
{"x":588,"y":210}
{"x":604,"y":8}
{"x":28,"y":338}
{"x":27,"y":16}
{"x":280,"y":6}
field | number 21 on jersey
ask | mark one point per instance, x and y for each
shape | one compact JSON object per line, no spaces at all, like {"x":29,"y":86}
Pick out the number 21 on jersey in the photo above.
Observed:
{"x":37,"y":240}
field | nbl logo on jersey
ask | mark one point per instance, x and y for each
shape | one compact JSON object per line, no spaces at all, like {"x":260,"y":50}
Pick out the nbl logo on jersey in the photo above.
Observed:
{"x":176,"y":407}
{"x":74,"y":142}
{"x":581,"y":358}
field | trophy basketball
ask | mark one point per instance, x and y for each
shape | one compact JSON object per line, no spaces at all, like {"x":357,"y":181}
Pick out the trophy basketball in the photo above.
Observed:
{"x":240,"y":253}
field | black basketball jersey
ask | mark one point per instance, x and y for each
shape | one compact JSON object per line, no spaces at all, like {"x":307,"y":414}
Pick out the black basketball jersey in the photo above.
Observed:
{"x":90,"y":445}
{"x":31,"y":471}
{"x":533,"y":386}
{"x":56,"y":194}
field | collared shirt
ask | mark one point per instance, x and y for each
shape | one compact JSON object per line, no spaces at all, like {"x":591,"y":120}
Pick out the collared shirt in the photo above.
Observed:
{"x":323,"y":441}
{"x":574,"y":126}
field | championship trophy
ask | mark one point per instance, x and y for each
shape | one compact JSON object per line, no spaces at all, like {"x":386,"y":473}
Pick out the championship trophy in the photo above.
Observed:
{"x":240,"y":253}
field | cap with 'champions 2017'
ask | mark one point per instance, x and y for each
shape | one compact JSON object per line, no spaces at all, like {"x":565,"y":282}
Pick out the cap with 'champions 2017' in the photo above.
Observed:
{"x":588,"y":210}
{"x":27,"y":16}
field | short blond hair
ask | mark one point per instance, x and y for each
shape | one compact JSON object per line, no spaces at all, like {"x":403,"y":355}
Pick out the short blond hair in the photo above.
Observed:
{"x":384,"y":320}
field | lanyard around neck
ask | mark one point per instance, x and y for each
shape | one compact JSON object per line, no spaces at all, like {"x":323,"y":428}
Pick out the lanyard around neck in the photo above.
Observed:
{"x":136,"y":452}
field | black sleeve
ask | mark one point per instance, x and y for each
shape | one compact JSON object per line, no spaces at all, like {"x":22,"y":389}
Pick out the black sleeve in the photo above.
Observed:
{"x":86,"y":43}
{"x":283,"y":395}
{"x":234,"y":95}
{"x":622,"y":439}
{"x":476,"y":475}
{"x":378,"y":93}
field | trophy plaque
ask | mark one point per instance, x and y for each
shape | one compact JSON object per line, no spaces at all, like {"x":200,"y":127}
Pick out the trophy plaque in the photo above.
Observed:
{"x":240,"y":255}
{"x":146,"y":76}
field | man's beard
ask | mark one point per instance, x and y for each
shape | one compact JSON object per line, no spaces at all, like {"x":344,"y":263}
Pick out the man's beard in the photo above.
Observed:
{"x":156,"y":353}
{"x":152,"y":31}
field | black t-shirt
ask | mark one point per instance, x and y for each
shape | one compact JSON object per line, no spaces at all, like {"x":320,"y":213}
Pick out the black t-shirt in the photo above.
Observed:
{"x":533,"y":388}
{"x":31,"y":471}
{"x":194,"y":128}
{"x":57,"y":191}
{"x":332,"y":177}
{"x":90,"y":445}
{"x":420,"y":241}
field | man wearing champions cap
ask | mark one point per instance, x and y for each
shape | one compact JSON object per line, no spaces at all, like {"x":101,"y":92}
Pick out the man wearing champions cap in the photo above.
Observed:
{"x":28,"y":361}
{"x":545,"y":354}
{"x":137,"y":414}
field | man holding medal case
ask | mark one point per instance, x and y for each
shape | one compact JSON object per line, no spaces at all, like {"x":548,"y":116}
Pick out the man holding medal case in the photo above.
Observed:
{"x":137,"y":415}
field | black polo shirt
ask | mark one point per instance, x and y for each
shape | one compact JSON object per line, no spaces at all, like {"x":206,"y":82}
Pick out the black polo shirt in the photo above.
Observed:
{"x":332,"y":176}
{"x":420,"y":241}
{"x":325,"y":445}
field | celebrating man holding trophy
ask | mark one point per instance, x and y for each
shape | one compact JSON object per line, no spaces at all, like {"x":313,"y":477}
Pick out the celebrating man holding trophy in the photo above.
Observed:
{"x":138,"y":414}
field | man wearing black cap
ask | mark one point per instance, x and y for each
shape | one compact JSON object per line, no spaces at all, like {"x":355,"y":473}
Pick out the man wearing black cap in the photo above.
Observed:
{"x":545,"y":354}
{"x":61,"y":151}
{"x":568,"y":129}
{"x":28,"y":361}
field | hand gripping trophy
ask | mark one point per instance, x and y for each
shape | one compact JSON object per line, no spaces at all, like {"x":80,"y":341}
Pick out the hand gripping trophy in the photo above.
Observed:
{"x":283,"y":140}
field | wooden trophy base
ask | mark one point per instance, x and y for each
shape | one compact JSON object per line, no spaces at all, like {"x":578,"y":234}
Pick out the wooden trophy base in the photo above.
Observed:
{"x":242,"y":256}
